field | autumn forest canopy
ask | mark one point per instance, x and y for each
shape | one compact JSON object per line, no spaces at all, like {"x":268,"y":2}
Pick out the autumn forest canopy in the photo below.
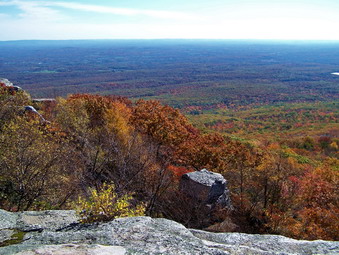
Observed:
{"x":265,"y":119}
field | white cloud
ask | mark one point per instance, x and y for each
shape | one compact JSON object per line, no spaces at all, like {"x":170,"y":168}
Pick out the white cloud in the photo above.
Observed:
{"x":122,"y":11}
{"x":4,"y":16}
{"x":44,"y":9}
{"x":5,"y":3}
{"x":33,"y":10}
{"x":45,"y":20}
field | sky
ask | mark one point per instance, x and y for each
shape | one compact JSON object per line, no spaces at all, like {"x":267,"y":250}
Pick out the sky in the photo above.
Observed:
{"x":169,"y":19}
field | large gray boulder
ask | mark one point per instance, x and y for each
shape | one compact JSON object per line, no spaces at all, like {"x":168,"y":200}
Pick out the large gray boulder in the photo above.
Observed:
{"x":36,"y":233}
{"x":206,"y":187}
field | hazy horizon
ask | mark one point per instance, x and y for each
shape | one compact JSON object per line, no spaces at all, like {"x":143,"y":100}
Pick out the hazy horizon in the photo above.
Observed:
{"x":187,"y":40}
{"x":164,"y":19}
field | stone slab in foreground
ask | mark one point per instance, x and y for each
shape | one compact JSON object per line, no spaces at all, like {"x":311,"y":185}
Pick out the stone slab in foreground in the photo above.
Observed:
{"x":58,"y":233}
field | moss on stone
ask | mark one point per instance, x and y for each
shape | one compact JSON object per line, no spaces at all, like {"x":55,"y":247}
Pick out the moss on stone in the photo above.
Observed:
{"x":16,"y":238}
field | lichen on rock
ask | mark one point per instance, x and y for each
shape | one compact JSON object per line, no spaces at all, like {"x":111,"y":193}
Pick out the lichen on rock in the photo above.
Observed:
{"x":59,"y":233}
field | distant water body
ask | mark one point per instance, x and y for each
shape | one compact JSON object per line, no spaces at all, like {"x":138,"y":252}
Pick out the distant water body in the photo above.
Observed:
{"x":335,"y":73}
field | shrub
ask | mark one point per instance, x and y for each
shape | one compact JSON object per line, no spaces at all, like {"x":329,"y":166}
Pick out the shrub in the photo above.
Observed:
{"x":104,"y":204}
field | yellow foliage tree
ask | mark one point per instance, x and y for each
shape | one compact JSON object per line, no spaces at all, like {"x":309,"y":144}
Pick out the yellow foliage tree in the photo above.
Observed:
{"x":117,"y":118}
{"x":31,"y":161}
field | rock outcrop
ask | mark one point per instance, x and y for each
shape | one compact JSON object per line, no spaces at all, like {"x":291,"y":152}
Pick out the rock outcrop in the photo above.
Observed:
{"x":59,"y":233}
{"x":6,"y":82}
{"x":206,"y":187}
{"x":10,"y":85}
{"x":34,"y":112}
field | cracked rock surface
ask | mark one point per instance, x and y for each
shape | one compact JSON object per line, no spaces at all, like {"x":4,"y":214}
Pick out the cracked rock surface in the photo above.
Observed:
{"x":59,"y":233}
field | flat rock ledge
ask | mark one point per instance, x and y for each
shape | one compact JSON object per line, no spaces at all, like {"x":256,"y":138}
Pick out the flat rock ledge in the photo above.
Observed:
{"x":59,"y":233}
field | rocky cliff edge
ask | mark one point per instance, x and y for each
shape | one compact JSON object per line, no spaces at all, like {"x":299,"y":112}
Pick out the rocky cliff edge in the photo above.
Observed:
{"x":59,"y":233}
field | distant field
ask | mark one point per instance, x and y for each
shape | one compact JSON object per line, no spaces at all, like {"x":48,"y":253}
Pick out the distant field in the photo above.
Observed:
{"x":284,"y":121}
{"x":182,"y":73}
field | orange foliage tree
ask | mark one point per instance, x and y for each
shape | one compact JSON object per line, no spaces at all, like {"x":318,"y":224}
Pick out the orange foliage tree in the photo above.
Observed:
{"x":316,"y":207}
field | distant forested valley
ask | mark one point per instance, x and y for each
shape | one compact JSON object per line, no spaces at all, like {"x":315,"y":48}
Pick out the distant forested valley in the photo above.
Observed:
{"x":234,"y":87}
{"x":137,"y":114}
{"x":179,"y":72}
